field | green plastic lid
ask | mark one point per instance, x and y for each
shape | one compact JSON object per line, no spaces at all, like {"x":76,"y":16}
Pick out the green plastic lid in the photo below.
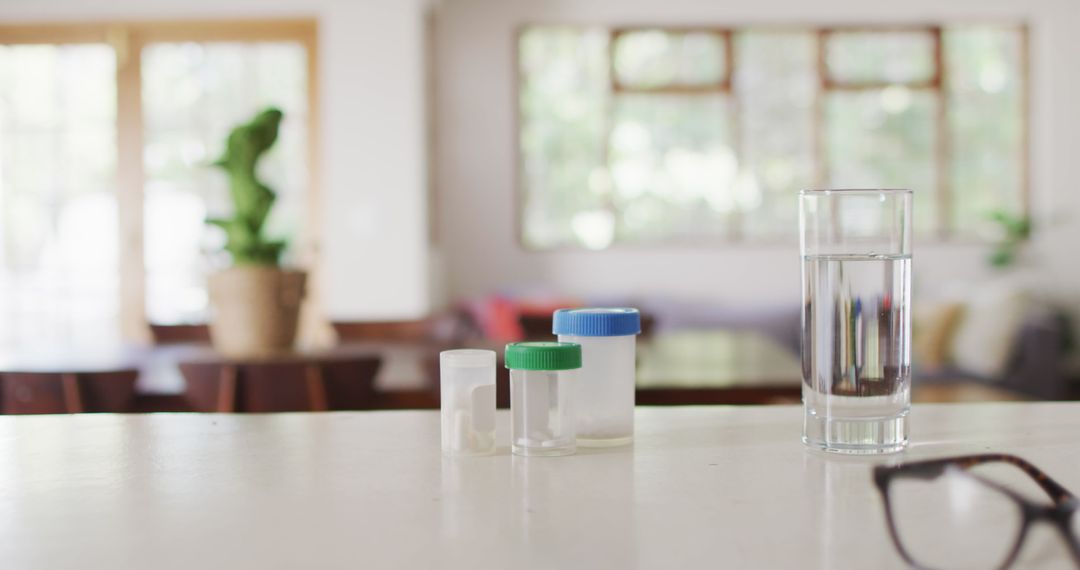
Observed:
{"x":543,"y":356}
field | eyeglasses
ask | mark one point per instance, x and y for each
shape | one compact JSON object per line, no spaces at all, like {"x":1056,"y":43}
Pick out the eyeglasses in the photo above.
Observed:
{"x":943,"y":517}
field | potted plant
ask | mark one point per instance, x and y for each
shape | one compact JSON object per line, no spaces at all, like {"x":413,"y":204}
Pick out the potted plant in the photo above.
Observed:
{"x":255,"y":303}
{"x":1014,"y":232}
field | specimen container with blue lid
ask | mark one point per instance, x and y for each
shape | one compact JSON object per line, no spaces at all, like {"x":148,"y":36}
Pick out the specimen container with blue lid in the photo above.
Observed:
{"x":608,"y":339}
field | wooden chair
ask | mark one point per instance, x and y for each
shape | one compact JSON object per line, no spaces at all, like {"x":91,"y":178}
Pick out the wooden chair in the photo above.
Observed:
{"x":449,"y":328}
{"x":536,"y":327}
{"x":400,"y":331}
{"x":180,"y":334}
{"x":67,"y":392}
{"x":300,"y":383}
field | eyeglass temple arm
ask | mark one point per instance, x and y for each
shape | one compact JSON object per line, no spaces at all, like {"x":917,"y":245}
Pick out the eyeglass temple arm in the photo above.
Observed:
{"x":1055,"y":490}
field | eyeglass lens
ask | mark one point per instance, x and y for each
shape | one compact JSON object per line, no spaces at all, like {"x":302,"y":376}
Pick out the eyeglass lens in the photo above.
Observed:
{"x":954,"y":521}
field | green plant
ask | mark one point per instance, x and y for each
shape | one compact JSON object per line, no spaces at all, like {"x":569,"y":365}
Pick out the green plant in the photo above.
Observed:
{"x":252,"y":200}
{"x":1016,"y":229}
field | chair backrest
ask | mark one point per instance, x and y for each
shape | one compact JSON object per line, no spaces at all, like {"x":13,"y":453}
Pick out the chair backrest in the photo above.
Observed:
{"x":289,"y":384}
{"x":402,"y":331}
{"x":204,"y":384}
{"x":350,"y":382}
{"x":180,"y":334}
{"x":536,"y":327}
{"x":67,"y":392}
{"x":292,"y":386}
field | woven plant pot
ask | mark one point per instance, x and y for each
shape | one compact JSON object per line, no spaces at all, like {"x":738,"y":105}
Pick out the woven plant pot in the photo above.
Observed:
{"x":255,"y":309}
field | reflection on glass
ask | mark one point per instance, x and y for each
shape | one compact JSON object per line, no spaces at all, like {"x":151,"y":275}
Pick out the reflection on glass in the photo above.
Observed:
{"x":866,"y":346}
{"x":193,"y":95}
{"x":59,"y":273}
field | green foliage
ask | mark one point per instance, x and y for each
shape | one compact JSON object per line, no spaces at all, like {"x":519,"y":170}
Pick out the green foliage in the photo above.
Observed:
{"x":1016,"y":230}
{"x":252,"y":200}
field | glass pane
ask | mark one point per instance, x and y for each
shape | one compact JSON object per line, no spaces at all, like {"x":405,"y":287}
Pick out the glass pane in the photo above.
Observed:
{"x":600,"y":167}
{"x":673,"y":166}
{"x":193,"y":95}
{"x":985,"y":74}
{"x":880,"y":57}
{"x":656,"y":58}
{"x":884,"y":139}
{"x":563,"y":105}
{"x":59,"y":272}
{"x":776,"y":83}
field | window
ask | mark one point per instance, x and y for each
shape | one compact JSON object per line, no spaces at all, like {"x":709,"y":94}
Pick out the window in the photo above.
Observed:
{"x":658,"y":136}
{"x":106,"y":138}
{"x":59,"y":272}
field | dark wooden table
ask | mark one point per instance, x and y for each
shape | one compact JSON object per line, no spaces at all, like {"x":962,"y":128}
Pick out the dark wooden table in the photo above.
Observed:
{"x":340,"y":378}
{"x":716,"y":367}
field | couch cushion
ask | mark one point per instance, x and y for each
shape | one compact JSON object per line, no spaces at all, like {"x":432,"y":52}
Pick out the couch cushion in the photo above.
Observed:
{"x":934,"y":326}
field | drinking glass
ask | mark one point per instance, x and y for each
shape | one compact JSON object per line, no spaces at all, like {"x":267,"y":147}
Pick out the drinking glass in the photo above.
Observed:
{"x":856,"y":321}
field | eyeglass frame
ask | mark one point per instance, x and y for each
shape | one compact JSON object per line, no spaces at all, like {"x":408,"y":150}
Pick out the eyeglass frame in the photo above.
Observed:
{"x":1065,"y":504}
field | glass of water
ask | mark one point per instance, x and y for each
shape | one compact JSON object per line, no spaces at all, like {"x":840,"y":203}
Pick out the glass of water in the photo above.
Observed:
{"x":856,"y":337}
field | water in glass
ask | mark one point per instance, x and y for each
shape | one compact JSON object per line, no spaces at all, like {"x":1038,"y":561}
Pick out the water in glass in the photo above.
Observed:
{"x":856,"y":352}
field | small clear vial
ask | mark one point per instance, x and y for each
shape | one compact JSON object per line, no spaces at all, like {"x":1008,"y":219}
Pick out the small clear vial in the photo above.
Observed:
{"x":605,"y":402}
{"x":467,"y":401}
{"x":542,"y":397}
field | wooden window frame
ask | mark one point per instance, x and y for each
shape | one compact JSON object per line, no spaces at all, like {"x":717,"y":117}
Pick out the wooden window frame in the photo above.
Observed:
{"x":943,"y":225}
{"x":127,"y":39}
{"x":935,"y":81}
{"x":723,"y":86}
{"x":934,"y":84}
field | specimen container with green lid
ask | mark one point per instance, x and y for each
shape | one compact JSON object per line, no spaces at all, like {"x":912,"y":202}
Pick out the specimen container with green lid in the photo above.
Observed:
{"x":542,"y":376}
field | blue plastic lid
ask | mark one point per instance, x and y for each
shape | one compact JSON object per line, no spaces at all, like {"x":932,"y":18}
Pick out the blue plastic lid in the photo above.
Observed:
{"x":597,"y":322}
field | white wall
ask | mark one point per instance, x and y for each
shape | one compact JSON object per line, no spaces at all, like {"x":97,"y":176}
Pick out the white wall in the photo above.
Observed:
{"x":475,"y":149}
{"x":374,"y":238}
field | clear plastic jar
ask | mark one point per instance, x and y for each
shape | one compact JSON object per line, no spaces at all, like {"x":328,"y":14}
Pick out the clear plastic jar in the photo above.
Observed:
{"x":542,"y":397}
{"x":605,"y":402}
{"x":467,"y":394}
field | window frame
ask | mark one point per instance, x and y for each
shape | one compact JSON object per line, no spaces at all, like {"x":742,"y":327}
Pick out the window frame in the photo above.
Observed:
{"x":942,"y":232}
{"x":723,"y":87}
{"x":935,"y":85}
{"x":127,"y":39}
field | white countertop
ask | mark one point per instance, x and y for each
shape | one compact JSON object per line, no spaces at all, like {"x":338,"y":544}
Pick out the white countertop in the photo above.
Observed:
{"x":717,"y":487}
